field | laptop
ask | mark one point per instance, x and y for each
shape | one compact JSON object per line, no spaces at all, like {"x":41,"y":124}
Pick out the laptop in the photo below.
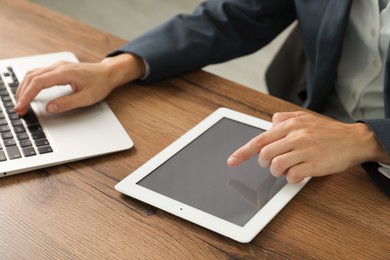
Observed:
{"x":40,"y":139}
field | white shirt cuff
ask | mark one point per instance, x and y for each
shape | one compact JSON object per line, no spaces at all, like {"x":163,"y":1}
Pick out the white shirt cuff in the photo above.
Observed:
{"x":147,"y":70}
{"x":384,"y":169}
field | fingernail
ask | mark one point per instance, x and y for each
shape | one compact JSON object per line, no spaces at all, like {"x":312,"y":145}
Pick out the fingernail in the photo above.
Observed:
{"x":16,"y":108}
{"x":232,"y":161}
{"x":52,"y":108}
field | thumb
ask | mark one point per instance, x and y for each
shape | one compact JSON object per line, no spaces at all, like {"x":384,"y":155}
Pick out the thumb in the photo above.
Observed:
{"x":66,"y":103}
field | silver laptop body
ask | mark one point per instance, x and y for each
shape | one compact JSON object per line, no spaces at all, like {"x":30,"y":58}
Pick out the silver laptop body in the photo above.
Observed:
{"x":46,"y":139}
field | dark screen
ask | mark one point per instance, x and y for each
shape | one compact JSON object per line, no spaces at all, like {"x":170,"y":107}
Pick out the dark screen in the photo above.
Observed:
{"x":199,"y":176}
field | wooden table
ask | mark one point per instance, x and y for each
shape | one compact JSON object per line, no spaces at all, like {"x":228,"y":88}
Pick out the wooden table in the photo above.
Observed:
{"x":73,"y":212}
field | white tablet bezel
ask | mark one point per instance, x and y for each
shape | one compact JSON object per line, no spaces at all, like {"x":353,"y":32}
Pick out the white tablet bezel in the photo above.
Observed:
{"x":243,"y":234}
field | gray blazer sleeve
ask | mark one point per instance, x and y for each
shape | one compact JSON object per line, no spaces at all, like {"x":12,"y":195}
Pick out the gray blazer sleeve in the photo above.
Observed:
{"x":381,"y":128}
{"x":217,"y":31}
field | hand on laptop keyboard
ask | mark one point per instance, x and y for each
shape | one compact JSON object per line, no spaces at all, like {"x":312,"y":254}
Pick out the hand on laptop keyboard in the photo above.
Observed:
{"x":91,"y":82}
{"x":19,"y":137}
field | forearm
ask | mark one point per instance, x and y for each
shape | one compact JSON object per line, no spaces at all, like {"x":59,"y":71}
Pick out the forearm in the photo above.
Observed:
{"x":215,"y":32}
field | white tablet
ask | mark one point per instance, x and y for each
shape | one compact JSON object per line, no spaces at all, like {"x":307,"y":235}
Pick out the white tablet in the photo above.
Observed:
{"x":190,"y":179}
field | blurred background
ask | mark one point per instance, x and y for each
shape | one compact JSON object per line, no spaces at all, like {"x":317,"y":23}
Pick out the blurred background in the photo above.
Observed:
{"x":129,"y":18}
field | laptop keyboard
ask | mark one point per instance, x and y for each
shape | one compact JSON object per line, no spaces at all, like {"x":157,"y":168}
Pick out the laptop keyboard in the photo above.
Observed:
{"x":20,"y":136}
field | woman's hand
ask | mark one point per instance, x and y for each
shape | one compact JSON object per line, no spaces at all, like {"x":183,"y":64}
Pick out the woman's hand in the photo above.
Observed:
{"x":300,"y":145}
{"x":90,"y":82}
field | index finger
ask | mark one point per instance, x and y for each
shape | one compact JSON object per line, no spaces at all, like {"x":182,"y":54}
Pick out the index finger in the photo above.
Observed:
{"x":34,"y":73}
{"x":39,"y":83}
{"x":246,"y":151}
{"x":256,"y":144}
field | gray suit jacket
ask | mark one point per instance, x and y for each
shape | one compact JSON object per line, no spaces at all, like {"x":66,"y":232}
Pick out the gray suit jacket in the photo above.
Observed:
{"x":220,"y":30}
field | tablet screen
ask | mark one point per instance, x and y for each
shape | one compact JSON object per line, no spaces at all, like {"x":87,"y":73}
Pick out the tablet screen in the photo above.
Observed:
{"x":198,"y":175}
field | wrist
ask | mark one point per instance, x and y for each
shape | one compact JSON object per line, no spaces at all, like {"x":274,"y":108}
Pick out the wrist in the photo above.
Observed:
{"x":123,"y":68}
{"x":371,"y":147}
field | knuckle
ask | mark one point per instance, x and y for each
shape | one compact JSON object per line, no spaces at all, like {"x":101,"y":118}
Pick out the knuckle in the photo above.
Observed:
{"x":290,"y":124}
{"x":262,"y":163}
{"x":293,"y":176}
{"x":274,"y":173}
{"x":298,"y":138}
{"x":302,"y":113}
{"x":265,"y":154}
{"x":35,"y":81}
{"x":276,"y":167}
{"x":63,"y":69}
{"x":61,"y":63}
{"x":295,"y":121}
{"x":306,"y":132}
{"x":277,"y":116}
{"x":278,"y":164}
{"x":29,"y":75}
{"x":293,"y":124}
{"x":304,"y":137}
{"x":258,"y":141}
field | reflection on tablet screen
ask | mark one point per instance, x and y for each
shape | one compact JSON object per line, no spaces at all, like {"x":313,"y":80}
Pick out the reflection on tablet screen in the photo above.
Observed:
{"x":199,"y":176}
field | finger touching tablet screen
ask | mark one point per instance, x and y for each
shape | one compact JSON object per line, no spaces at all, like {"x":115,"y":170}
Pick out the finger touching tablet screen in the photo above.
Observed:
{"x":191,"y":179}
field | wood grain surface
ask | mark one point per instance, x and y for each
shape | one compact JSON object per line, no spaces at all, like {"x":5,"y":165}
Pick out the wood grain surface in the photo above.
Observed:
{"x":72,"y":211}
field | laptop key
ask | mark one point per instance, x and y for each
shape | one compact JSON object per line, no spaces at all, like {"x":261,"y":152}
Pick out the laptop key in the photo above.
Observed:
{"x":45,"y":149}
{"x":22,"y":136}
{"x":9,"y":142}
{"x":30,"y":118}
{"x":35,"y":128}
{"x":17,"y":122}
{"x":10,"y":110}
{"x":4,"y":128}
{"x":10,"y":70}
{"x":7,"y":135}
{"x":38,"y":135}
{"x":13,"y":116}
{"x":2,"y":156}
{"x":19,"y":129}
{"x":21,"y":145}
{"x":41,"y":142}
{"x":6,"y":98}
{"x":29,"y":151}
{"x":25,"y":143}
{"x":14,"y":86}
{"x":9,"y":104}
{"x":13,"y":152}
{"x":3,"y":121}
